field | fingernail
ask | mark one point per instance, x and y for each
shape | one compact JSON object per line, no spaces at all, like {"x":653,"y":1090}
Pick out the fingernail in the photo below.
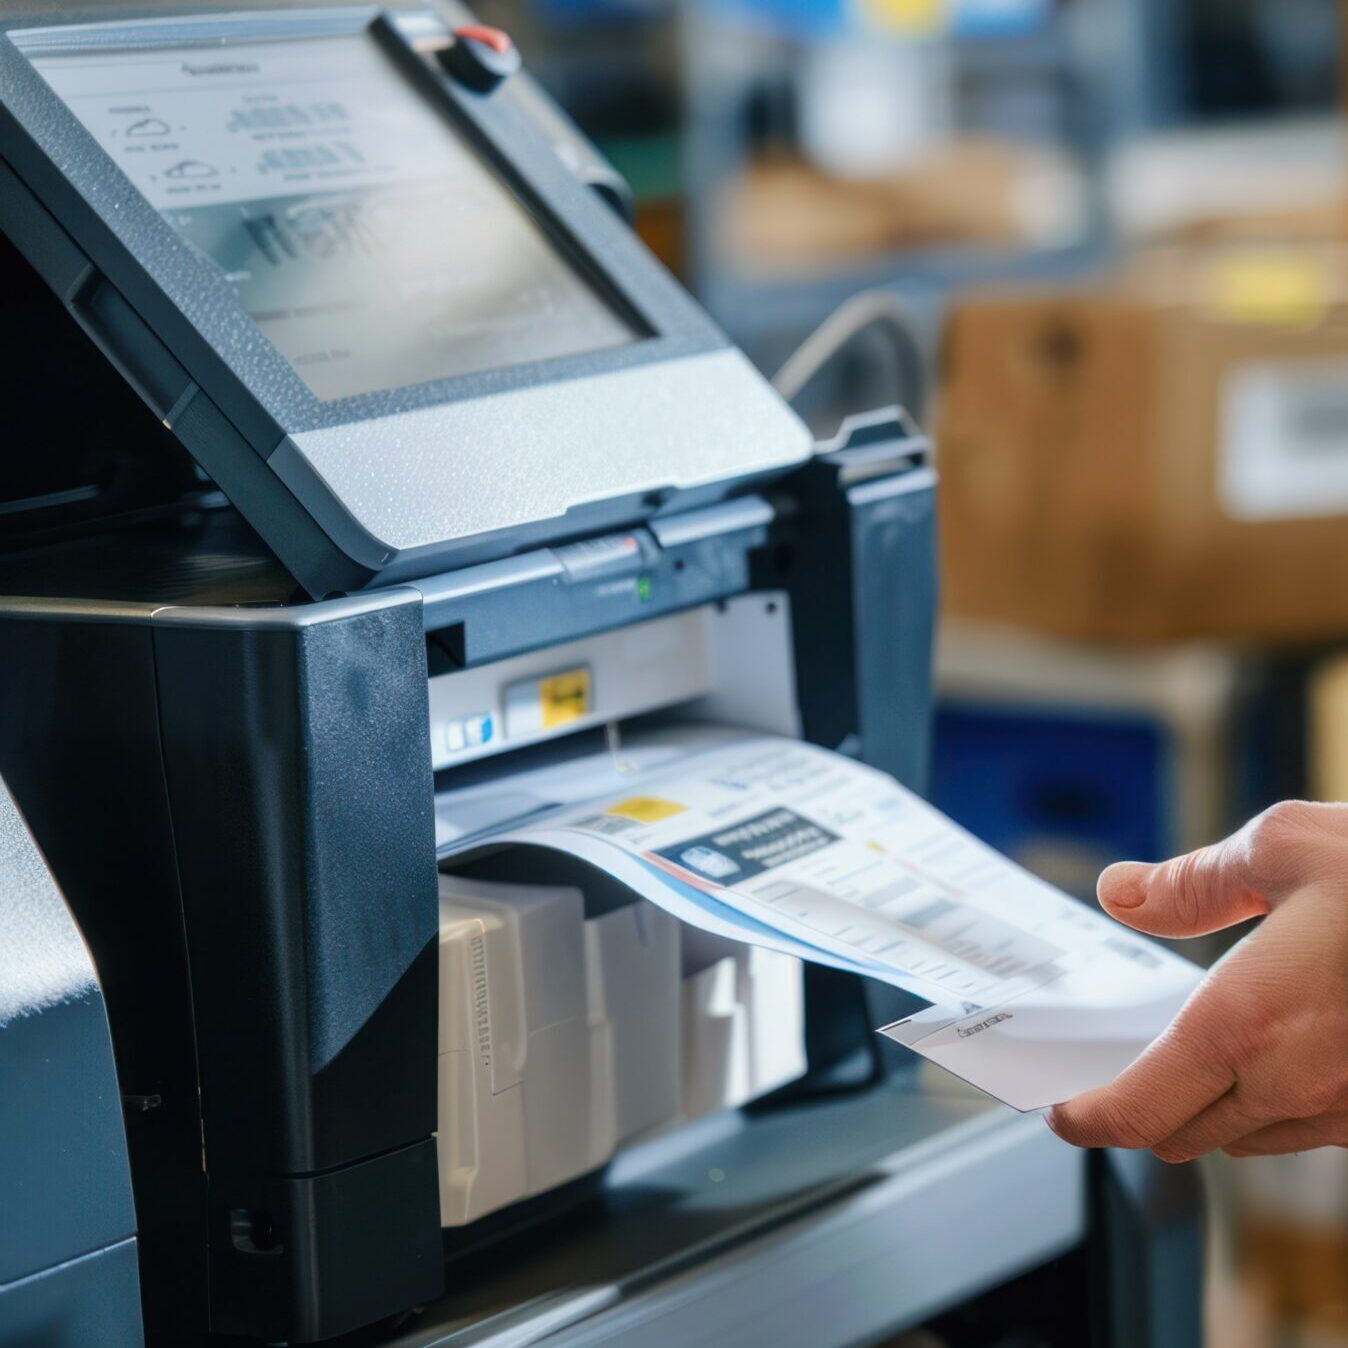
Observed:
{"x":1123,"y":885}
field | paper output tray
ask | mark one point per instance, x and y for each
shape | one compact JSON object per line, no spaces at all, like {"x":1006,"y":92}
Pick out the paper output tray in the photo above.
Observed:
{"x":816,"y":1224}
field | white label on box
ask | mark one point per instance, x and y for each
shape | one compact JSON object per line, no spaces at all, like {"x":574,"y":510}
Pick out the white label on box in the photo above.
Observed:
{"x":1284,"y":440}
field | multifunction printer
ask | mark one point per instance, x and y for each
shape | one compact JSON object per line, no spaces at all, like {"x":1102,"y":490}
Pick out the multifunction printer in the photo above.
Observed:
{"x":361,"y":464}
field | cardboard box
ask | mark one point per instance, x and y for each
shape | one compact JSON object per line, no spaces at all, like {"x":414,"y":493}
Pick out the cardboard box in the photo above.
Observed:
{"x":784,"y":217}
{"x":1160,"y":456}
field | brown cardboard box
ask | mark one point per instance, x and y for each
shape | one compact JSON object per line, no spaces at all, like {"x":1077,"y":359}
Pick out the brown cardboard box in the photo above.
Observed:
{"x":1325,"y":221}
{"x":783,"y":217}
{"x":1112,"y":457}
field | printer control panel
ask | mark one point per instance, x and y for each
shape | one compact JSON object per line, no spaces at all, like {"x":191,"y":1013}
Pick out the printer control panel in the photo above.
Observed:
{"x":320,"y":184}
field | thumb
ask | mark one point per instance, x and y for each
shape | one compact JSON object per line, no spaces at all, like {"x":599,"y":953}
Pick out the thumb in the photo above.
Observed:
{"x":1192,"y":895}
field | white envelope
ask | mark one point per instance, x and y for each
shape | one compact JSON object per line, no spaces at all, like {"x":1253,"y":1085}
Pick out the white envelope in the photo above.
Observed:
{"x":1052,"y":1043}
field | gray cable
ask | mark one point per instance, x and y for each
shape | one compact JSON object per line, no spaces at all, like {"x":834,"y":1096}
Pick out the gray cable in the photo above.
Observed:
{"x":868,"y":309}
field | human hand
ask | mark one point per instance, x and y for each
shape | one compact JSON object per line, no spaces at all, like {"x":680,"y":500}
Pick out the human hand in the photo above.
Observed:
{"x":1256,"y":1063}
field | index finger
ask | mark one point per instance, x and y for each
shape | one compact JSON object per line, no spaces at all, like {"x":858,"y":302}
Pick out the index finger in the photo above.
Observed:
{"x":1177,"y":1078}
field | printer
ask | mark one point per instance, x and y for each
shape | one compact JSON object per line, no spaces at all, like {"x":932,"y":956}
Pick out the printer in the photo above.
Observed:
{"x":68,"y":1247}
{"x":360,"y":461}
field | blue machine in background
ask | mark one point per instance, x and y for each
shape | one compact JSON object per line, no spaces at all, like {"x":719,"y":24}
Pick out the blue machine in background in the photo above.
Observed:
{"x":1038,"y":785}
{"x":1069,"y":757}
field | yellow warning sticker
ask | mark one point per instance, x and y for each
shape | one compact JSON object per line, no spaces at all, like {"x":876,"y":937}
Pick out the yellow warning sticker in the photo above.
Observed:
{"x":646,"y":809}
{"x":1279,"y":287}
{"x":564,"y":698}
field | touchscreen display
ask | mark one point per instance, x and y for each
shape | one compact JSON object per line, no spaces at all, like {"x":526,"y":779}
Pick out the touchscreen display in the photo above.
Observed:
{"x":364,"y":237}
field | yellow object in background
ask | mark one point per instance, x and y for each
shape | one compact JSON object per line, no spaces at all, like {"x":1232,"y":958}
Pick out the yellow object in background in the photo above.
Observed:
{"x":564,"y":697}
{"x":909,"y":17}
{"x":1281,"y":287}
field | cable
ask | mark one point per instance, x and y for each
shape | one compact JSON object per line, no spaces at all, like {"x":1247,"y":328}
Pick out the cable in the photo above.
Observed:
{"x":868,"y":309}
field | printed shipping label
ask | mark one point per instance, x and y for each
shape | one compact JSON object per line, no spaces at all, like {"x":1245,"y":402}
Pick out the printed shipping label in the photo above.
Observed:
{"x":1284,"y":440}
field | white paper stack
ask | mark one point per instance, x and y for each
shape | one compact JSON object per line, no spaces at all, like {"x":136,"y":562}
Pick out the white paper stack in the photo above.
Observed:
{"x":563,"y":1037}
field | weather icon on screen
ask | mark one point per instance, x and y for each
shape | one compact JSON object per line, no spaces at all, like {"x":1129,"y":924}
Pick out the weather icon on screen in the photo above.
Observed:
{"x":148,"y":126}
{"x":191,"y":168}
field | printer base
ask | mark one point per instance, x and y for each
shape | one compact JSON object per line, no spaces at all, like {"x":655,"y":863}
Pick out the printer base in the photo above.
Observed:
{"x":841,"y":1221}
{"x":815,"y":1224}
{"x":358,"y":1226}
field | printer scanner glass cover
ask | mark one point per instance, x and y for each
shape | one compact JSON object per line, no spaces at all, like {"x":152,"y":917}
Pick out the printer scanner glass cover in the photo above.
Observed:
{"x":369,"y":243}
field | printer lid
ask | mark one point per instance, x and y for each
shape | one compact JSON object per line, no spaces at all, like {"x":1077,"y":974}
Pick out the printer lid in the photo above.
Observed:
{"x":365,"y":291}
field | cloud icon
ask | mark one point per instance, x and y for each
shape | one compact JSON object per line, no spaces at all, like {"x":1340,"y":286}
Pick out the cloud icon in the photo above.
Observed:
{"x":149,"y":126}
{"x":192,"y":168}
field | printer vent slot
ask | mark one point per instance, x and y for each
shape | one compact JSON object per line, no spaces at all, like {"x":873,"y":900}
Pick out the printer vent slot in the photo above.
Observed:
{"x":445,"y":650}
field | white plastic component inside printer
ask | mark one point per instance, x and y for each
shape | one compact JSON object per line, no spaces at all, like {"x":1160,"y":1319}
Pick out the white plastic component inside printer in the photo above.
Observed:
{"x":743,"y":1022}
{"x":562,"y":1038}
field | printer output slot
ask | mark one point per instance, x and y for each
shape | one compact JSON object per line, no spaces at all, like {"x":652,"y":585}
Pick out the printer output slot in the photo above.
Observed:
{"x":575,"y":1017}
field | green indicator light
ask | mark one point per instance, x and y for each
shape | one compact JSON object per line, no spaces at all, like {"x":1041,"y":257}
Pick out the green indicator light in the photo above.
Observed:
{"x":644,"y":589}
